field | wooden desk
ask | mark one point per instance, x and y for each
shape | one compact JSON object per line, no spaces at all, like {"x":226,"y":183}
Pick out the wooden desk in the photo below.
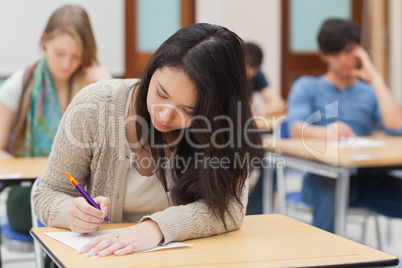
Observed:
{"x":319,"y":157}
{"x":322,"y":151}
{"x":262,"y":241}
{"x":29,"y":167}
{"x":267,"y":124}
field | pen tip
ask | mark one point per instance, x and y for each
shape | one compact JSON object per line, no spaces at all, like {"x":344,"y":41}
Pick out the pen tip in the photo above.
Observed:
{"x":108,"y":221}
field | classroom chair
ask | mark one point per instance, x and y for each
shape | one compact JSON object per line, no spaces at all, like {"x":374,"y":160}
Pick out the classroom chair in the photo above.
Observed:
{"x":15,"y":241}
{"x":39,"y":253}
{"x":294,"y":200}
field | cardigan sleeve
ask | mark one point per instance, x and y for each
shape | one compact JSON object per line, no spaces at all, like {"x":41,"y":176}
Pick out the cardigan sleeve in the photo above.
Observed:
{"x":196,"y":220}
{"x":71,"y":152}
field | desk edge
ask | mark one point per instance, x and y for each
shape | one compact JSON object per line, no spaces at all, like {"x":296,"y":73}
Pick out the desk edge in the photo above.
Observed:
{"x":46,"y":249}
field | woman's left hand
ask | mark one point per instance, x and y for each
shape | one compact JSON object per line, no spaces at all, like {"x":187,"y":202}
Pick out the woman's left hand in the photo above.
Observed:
{"x":143,"y":236}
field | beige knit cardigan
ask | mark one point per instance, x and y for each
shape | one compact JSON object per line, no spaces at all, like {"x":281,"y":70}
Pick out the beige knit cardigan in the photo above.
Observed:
{"x":91,"y":145}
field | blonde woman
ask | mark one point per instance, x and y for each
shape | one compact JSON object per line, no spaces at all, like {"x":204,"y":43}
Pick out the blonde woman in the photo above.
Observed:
{"x":33,"y":100}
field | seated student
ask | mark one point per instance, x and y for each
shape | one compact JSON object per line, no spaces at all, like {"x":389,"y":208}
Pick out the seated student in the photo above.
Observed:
{"x":161,"y":149}
{"x":267,"y":100}
{"x":354,"y":91}
{"x":33,"y":100}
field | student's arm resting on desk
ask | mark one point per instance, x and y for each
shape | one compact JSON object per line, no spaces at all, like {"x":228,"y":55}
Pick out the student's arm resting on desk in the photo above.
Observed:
{"x":176,"y":223}
{"x":300,"y":111}
{"x":333,"y":132}
{"x":196,"y":220}
{"x":274,"y":102}
{"x":391,"y":112}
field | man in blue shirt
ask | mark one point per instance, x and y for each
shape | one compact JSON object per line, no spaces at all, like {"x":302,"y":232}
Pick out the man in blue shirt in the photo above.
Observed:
{"x":350,"y":99}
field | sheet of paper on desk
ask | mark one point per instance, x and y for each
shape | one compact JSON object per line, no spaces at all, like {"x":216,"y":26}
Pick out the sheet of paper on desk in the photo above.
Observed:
{"x":355,"y":142}
{"x":76,"y":240}
{"x":10,"y":176}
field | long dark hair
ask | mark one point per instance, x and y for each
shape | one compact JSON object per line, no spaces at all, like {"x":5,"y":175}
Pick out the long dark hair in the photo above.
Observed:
{"x":213,"y":58}
{"x":335,"y":34}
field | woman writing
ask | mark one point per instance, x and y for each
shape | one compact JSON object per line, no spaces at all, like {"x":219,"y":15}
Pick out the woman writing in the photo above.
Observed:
{"x":160,"y":149}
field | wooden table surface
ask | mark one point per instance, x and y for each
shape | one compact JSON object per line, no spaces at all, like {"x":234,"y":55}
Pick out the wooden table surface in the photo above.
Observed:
{"x":263,"y":241}
{"x":320,"y":150}
{"x":270,"y":122}
{"x":27,"y":167}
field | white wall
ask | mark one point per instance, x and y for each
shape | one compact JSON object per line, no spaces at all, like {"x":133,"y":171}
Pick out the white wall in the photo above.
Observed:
{"x":258,"y":21}
{"x":395,"y":49}
{"x":22,"y":22}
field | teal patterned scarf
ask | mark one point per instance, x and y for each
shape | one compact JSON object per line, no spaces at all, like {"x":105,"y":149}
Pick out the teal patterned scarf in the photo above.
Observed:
{"x":39,"y":113}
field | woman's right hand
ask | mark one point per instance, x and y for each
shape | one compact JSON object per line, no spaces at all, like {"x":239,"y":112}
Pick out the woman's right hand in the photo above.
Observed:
{"x":84,"y":218}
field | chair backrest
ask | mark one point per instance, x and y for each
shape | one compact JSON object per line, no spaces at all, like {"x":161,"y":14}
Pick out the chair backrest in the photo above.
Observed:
{"x":35,"y":221}
{"x":283,"y":129}
{"x":39,"y":253}
{"x":14,"y":239}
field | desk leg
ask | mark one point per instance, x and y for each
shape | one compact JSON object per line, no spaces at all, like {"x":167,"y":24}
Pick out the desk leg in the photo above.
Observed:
{"x":268,"y":191}
{"x":2,"y":187}
{"x":280,"y":179}
{"x":341,"y":201}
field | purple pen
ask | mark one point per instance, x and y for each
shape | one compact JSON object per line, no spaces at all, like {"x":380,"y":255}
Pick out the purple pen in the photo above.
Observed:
{"x":82,"y":191}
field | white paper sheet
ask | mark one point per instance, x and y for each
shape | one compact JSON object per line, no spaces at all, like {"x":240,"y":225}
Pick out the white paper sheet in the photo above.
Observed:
{"x":76,"y":240}
{"x":355,"y":142}
{"x":361,"y":157}
{"x":10,"y":176}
